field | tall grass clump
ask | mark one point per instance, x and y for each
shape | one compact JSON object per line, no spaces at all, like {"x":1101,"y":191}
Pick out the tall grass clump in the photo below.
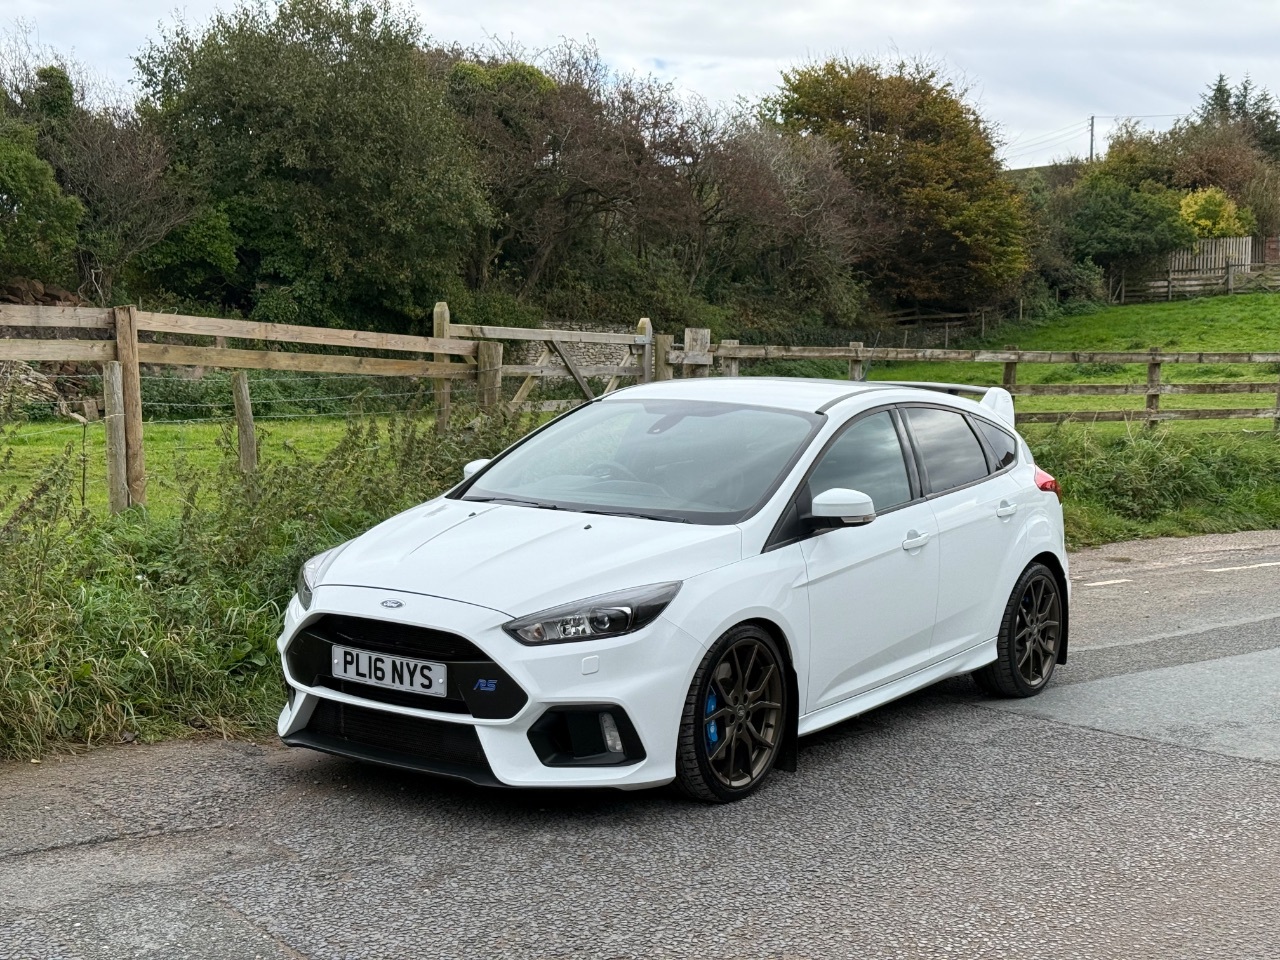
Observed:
{"x":1148,"y":483}
{"x":139,"y":626}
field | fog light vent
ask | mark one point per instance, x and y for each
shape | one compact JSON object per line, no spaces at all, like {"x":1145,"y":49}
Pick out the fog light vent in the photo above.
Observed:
{"x":612,"y":738}
{"x":586,"y":735}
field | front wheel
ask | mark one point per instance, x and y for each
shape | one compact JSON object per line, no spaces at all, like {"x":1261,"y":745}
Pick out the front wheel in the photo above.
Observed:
{"x":1030,"y":637}
{"x":734,"y":717}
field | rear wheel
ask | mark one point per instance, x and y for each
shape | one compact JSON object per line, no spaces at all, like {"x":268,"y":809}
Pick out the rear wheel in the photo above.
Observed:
{"x":1030,"y":637}
{"x":734,"y":717}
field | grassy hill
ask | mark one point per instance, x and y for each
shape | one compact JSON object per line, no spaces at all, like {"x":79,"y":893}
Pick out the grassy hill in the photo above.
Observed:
{"x":1218,"y":324}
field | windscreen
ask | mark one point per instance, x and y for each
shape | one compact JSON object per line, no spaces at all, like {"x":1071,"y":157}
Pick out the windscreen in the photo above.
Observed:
{"x":699,"y":462}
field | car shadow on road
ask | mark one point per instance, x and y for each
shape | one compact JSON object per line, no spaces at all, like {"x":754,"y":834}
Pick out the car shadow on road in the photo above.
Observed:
{"x":377,"y":785}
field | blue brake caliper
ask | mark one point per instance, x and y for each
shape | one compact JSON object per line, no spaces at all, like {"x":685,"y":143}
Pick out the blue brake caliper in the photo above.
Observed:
{"x":713,"y":728}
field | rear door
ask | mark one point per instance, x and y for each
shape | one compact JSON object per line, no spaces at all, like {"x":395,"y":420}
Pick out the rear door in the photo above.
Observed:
{"x":975,"y":500}
{"x":872,"y":588}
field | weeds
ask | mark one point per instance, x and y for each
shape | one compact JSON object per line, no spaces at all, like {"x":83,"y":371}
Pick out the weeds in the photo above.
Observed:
{"x":142,"y":626}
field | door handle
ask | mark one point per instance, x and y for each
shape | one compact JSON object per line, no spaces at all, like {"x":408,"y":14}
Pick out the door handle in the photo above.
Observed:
{"x":1006,"y":509}
{"x":915,"y":542}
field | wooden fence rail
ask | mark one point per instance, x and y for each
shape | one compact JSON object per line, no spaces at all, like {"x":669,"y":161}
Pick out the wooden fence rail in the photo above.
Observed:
{"x":698,"y":356}
{"x":456,"y":352}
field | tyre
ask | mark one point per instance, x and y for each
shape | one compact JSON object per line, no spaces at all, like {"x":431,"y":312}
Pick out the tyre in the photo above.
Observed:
{"x":1029,"y":639}
{"x":734,"y":718}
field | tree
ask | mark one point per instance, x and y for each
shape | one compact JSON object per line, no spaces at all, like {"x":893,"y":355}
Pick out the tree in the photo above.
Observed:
{"x":1248,"y":106}
{"x":906,"y":135}
{"x":37,"y":221}
{"x":1114,"y":225}
{"x":320,"y":127}
{"x":104,"y":156}
{"x":1211,"y":213}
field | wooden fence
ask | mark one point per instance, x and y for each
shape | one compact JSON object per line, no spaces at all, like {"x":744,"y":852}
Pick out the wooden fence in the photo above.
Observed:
{"x":472,"y":354}
{"x":1223,"y":265}
{"x":697,"y":356}
{"x":457,"y":352}
{"x":1211,"y":256}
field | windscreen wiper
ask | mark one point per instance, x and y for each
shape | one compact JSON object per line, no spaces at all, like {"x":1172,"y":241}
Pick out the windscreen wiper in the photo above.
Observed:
{"x":514,"y":501}
{"x":638,"y":516}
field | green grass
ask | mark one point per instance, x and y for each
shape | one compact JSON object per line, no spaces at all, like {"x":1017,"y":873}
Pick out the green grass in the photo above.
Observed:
{"x":172,"y":451}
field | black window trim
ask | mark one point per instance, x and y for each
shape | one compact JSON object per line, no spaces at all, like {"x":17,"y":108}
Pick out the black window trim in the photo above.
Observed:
{"x":914,"y":477}
{"x":982,"y":445}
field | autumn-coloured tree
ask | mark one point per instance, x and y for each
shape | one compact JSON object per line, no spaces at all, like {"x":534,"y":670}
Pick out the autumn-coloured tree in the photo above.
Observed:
{"x":906,"y":134}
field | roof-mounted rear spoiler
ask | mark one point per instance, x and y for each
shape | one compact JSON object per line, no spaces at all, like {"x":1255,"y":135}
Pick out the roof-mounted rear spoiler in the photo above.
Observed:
{"x":996,"y":399}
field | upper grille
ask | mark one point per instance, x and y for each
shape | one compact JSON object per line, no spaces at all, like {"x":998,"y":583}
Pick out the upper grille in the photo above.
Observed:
{"x":387,"y":637}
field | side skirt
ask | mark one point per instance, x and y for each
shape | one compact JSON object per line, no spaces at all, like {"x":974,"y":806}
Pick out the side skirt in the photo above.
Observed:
{"x":963,"y":662}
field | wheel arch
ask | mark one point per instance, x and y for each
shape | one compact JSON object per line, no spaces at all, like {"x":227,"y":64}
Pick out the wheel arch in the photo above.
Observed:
{"x":1051,"y":561}
{"x":789,"y":754}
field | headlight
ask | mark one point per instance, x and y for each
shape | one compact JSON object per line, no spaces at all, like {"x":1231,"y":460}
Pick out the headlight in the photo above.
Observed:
{"x":309,"y":575}
{"x":608,"y":615}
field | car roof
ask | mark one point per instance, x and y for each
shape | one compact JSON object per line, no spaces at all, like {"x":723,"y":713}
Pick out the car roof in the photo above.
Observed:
{"x":787,"y":393}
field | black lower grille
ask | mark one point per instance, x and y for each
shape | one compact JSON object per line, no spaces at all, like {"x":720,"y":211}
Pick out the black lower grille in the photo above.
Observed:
{"x":434,"y":741}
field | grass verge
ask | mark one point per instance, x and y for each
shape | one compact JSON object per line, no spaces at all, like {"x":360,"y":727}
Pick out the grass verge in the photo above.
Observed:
{"x":160,"y":624}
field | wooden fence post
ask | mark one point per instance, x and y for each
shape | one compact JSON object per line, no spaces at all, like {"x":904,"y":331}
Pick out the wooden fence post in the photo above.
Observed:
{"x":246,"y":437}
{"x":1169,"y":285}
{"x":1010,"y":368}
{"x":645,"y":328}
{"x":1231,"y":278}
{"x":697,"y":345}
{"x":441,"y":389}
{"x":117,"y":471}
{"x":489,"y":374}
{"x":728,"y":365}
{"x":661,"y":356}
{"x":1153,"y":387}
{"x":856,"y":371}
{"x":126,"y":320}
{"x":1276,"y":424}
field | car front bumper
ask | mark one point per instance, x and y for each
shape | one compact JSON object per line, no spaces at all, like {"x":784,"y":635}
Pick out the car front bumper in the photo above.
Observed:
{"x":642,"y":678}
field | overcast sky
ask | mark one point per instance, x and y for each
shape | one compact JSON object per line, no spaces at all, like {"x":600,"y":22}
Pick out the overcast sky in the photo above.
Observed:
{"x":1038,"y":68}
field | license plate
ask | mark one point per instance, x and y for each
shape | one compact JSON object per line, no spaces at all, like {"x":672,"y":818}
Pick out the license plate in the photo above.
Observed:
{"x":384,"y":670}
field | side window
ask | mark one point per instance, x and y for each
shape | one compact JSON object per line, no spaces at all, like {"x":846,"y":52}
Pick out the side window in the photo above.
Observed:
{"x":1003,"y":445}
{"x":952,"y":454}
{"x":866,"y":457}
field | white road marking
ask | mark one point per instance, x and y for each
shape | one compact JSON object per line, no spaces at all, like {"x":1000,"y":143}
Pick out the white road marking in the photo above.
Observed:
{"x":1252,"y":566}
{"x":1106,"y":583}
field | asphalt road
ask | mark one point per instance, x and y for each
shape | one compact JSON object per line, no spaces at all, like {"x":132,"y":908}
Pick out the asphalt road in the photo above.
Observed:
{"x":1132,"y":811}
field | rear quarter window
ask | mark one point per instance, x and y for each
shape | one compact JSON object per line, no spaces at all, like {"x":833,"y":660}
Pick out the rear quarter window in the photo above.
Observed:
{"x":950,"y":450}
{"x":1002,"y":444}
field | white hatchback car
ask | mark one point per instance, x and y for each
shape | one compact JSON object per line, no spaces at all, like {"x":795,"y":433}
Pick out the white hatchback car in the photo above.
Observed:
{"x":679,"y":580}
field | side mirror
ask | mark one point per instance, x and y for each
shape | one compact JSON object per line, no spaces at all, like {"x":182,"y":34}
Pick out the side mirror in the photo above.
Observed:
{"x":841,"y":507}
{"x":472,"y":468}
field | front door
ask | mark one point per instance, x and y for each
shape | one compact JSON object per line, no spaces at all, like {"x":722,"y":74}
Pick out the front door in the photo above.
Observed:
{"x":873,"y":588}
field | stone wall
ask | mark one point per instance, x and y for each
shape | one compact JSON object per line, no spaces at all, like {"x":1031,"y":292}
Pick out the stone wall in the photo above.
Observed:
{"x":587,"y":354}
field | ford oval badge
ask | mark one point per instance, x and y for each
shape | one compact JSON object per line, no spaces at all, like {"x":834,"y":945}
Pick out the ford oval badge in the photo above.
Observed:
{"x":392,"y":604}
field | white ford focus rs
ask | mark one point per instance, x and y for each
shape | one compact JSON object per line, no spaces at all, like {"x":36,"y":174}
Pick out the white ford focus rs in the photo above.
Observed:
{"x":677,"y":581}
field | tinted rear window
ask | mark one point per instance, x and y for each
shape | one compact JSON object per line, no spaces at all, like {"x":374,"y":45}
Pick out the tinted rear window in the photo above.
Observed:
{"x":952,"y":454}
